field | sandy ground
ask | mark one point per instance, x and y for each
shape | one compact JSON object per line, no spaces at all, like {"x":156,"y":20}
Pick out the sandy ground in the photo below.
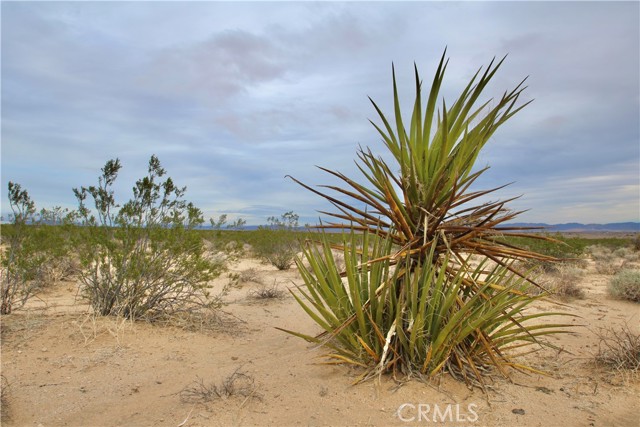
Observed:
{"x":66,"y":367}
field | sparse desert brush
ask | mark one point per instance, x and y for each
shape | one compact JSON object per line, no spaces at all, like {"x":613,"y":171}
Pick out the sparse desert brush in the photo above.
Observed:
{"x":278,"y":242}
{"x":619,"y":350}
{"x":267,"y":292}
{"x":626,"y":285}
{"x":36,"y":253}
{"x":144,"y":259}
{"x":429,"y":284}
{"x":238,"y":384}
{"x":629,"y":255}
{"x":238,"y":279}
{"x":565,"y":282}
{"x":608,"y":268}
{"x":606,"y":262}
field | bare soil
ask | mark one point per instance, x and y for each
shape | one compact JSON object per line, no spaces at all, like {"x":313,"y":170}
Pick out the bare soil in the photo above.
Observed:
{"x":66,"y":367}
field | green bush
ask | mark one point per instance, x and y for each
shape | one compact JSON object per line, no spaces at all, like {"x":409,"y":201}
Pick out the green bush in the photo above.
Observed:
{"x":144,"y":260}
{"x":626,"y":285}
{"x":278,"y":243}
{"x":36,"y":252}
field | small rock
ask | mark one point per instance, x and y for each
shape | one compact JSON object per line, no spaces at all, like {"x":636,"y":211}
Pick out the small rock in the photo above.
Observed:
{"x":518,"y":411}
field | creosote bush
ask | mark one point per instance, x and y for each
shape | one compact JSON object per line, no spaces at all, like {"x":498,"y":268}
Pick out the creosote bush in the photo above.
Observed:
{"x":144,"y":259}
{"x":37,"y":249}
{"x":626,"y":285}
{"x":277,"y":243}
{"x":430,"y":283}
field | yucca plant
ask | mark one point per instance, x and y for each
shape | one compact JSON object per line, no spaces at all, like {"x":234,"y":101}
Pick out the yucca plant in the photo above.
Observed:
{"x":429,"y":284}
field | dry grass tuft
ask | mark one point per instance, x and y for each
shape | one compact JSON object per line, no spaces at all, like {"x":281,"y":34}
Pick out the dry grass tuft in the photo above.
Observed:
{"x":619,"y":350}
{"x":237,"y":384}
{"x":207,"y":321}
{"x":92,"y":325}
{"x":267,"y":292}
{"x":236,"y":280}
{"x":565,"y":283}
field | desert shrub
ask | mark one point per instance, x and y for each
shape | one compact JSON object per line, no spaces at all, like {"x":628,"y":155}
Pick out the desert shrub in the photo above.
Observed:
{"x":224,"y":237}
{"x":628,"y":255}
{"x":267,"y":292}
{"x":600,"y":253}
{"x":619,"y":350}
{"x":565,"y":283}
{"x":238,"y":279}
{"x":626,"y":285}
{"x":277,"y":243}
{"x":606,"y":260}
{"x":237,"y":384}
{"x":36,"y":253}
{"x":608,"y":268}
{"x":429,"y":285}
{"x":248,"y":275}
{"x":144,"y":260}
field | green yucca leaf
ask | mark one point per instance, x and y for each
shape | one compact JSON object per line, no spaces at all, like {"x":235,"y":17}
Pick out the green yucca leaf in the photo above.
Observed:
{"x":429,"y":282}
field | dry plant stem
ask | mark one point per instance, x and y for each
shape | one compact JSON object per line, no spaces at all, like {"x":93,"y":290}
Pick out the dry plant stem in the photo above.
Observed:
{"x":187,"y":418}
{"x":267,"y":292}
{"x":98,"y":324}
{"x":619,"y":350}
{"x":237,"y":384}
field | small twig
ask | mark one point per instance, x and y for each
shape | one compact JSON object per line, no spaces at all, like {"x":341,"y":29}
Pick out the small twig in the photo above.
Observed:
{"x":186,"y":419}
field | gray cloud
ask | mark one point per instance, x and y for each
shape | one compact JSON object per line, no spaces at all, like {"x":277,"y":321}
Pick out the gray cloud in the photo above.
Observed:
{"x":234,"y":96}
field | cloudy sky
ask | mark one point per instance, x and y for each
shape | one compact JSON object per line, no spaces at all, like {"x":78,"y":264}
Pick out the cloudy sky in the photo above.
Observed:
{"x":233,"y":96}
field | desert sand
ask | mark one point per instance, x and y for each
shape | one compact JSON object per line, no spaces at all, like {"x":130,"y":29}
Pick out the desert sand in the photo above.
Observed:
{"x":66,"y":367}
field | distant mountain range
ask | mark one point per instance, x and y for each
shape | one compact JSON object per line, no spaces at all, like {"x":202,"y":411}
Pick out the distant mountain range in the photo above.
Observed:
{"x":578,"y":227}
{"x":627,"y":227}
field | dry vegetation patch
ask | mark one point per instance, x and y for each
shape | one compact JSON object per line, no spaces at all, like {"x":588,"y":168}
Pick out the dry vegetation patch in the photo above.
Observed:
{"x":265,"y":292}
{"x":619,"y":350}
{"x":626,"y":285}
{"x":566,"y":282}
{"x":239,"y":383}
